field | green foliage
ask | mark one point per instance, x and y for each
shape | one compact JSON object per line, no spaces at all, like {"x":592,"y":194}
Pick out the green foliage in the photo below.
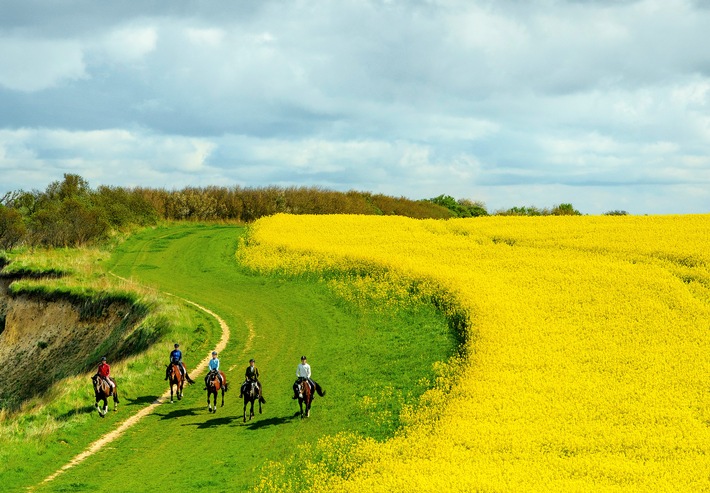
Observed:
{"x":557,"y":210}
{"x":564,"y":210}
{"x":616,"y":213}
{"x":12,"y":228}
{"x":69,"y":213}
{"x":461,"y":207}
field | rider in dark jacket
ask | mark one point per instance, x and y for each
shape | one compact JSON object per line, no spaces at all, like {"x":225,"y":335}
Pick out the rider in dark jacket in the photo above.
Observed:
{"x":251,"y":374}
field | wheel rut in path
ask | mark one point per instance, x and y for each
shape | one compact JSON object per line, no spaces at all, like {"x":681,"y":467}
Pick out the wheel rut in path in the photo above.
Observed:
{"x":131,"y":421}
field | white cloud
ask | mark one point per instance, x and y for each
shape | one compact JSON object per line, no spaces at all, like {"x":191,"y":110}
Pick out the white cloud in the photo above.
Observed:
{"x":211,"y":37}
{"x":104,"y":155}
{"x":129,"y":43}
{"x":30,"y":65}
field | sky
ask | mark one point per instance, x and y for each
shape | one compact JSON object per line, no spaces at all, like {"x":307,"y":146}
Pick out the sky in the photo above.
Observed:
{"x":602,"y":104}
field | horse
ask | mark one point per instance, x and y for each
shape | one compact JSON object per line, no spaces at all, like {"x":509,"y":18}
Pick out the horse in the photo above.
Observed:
{"x":175,"y":378}
{"x":251,"y":392}
{"x":103,"y":391}
{"x":214,"y":386}
{"x":306,"y":395}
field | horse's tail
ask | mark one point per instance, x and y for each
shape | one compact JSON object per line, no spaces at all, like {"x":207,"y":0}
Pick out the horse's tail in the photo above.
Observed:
{"x":320,"y":390}
{"x":189,"y":380}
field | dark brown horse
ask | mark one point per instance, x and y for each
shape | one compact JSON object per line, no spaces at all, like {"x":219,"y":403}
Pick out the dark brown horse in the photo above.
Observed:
{"x":103,"y":391}
{"x":305,"y":396}
{"x":214,"y":386}
{"x":175,"y":378}
{"x":251,"y":392}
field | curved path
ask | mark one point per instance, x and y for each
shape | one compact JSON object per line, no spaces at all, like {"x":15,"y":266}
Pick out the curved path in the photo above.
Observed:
{"x":133,"y":420}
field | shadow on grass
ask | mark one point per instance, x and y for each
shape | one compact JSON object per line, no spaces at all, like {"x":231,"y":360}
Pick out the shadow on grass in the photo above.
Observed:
{"x":211,"y":423}
{"x":265,"y":423}
{"x":74,"y":412}
{"x":178,"y":413}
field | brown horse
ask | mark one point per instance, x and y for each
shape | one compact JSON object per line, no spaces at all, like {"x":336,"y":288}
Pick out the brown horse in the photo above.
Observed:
{"x":251,"y":392}
{"x":175,"y":378}
{"x":214,"y":386}
{"x":305,"y":396}
{"x":103,"y":391}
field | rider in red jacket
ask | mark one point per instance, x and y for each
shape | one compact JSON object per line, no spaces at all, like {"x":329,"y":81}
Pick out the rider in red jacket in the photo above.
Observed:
{"x":104,"y":371}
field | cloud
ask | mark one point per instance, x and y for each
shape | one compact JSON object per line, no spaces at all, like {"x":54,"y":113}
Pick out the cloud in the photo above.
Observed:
{"x":129,"y":44}
{"x":113,"y":156}
{"x":34,"y":64}
{"x":584,"y":98}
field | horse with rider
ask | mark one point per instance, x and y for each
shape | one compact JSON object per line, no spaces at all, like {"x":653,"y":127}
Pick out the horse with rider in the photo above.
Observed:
{"x":104,"y":387}
{"x":251,"y":389}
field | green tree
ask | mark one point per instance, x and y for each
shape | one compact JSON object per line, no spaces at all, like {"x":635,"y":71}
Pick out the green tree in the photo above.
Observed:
{"x":12,"y":228}
{"x":461,"y":207}
{"x":565,"y":210}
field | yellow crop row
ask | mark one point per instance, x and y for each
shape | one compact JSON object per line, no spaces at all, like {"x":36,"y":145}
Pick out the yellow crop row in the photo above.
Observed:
{"x":588,"y":348}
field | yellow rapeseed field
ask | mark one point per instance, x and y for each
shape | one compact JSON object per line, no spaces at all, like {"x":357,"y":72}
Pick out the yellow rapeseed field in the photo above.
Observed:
{"x":587,"y":353}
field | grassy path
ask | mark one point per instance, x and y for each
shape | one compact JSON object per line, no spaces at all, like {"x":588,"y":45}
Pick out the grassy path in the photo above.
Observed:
{"x":274,"y":321}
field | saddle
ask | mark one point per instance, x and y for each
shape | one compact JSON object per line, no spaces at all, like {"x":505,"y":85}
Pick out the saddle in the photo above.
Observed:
{"x":213,"y":374}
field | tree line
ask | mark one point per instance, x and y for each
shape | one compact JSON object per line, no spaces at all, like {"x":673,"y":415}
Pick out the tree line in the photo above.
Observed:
{"x":71,"y":213}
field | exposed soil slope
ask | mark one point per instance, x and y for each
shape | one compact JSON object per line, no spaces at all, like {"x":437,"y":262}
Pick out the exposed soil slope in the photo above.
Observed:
{"x":44,"y":340}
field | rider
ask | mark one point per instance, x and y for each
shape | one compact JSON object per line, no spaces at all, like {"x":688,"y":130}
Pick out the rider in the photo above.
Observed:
{"x":214,"y":367}
{"x":303,"y":372}
{"x":176,"y":358}
{"x":252,"y":375}
{"x":104,"y":371}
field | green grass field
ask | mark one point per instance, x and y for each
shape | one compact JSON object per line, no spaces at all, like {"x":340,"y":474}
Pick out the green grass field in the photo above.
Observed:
{"x":354,"y":353}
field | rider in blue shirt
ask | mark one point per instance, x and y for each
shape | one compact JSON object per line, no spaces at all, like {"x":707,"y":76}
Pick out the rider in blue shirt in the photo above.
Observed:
{"x":214,"y":369}
{"x":176,"y":358}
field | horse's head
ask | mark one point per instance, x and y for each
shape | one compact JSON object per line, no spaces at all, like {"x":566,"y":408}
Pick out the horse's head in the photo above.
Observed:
{"x":99,"y":384}
{"x":212,"y":380}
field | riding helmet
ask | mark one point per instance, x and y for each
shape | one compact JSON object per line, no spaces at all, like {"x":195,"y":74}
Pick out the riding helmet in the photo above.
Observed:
{"x":214,"y":353}
{"x":177,"y":345}
{"x":252,"y":361}
{"x":302,"y":358}
{"x":103,"y":358}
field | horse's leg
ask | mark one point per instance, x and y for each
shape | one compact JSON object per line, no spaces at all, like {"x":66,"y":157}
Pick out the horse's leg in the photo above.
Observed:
{"x":209,"y":406}
{"x":245,"y":409}
{"x":215,"y":399}
{"x":260,"y":406}
{"x":115,"y":400}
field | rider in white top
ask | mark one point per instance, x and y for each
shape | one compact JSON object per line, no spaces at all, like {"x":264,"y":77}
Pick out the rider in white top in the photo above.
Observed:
{"x":303,"y":372}
{"x":304,"y":369}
